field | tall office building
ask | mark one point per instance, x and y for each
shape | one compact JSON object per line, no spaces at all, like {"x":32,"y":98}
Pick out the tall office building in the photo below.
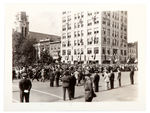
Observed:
{"x":94,"y":37}
{"x":22,"y":24}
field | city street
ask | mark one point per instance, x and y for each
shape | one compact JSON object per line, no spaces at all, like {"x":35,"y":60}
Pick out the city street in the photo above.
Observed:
{"x":42,"y":92}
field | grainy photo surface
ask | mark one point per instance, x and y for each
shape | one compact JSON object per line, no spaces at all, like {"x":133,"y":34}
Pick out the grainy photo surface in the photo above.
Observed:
{"x":73,"y":55}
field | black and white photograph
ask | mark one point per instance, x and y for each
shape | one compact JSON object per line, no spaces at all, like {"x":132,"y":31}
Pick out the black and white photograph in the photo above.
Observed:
{"x":73,"y":54}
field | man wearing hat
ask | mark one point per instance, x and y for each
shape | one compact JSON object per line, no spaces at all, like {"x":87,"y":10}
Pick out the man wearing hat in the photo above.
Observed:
{"x":66,"y":84}
{"x":25,"y":86}
{"x":96,"y":81}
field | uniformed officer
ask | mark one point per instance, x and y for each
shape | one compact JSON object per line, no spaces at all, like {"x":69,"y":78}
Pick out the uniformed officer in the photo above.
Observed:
{"x":96,"y":81}
{"x":25,"y":86}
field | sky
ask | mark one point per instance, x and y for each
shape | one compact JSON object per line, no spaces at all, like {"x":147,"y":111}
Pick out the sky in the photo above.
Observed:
{"x":47,"y":18}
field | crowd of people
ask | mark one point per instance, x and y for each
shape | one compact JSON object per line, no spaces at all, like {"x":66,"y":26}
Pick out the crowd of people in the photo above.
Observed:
{"x":69,"y":76}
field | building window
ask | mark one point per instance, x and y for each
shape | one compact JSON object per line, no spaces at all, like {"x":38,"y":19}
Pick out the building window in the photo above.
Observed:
{"x":69,"y":52}
{"x":108,"y":51}
{"x":96,"y":50}
{"x":63,"y":44}
{"x":69,"y":35}
{"x":75,"y":25}
{"x":82,"y":14}
{"x":64,"y":19}
{"x":63,"y":52}
{"x":81,"y":41}
{"x":121,"y":52}
{"x":104,"y":40}
{"x":75,"y":34}
{"x":89,"y":40}
{"x":75,"y":52}
{"x":69,"y":26}
{"x":103,"y":50}
{"x":78,"y":33}
{"x":89,"y":50}
{"x":69,"y":18}
{"x":75,"y":43}
{"x":75,"y":16}
{"x":64,"y":36}
{"x":69,"y":43}
{"x":103,"y":31}
{"x":82,"y":52}
{"x":96,"y":40}
{"x":89,"y":22}
{"x":82,"y":34}
{"x":108,"y":41}
{"x":89,"y":14}
{"x":96,"y":31}
{"x":89,"y":32}
{"x":78,"y":41}
{"x":64,"y":27}
{"x":125,"y":52}
{"x":108,"y":32}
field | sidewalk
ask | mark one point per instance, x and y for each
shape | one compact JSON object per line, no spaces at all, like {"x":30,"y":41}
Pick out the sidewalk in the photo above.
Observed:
{"x":124,"y":93}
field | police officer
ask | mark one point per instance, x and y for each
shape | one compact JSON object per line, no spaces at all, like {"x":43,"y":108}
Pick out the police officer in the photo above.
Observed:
{"x":96,"y":81}
{"x":25,"y":86}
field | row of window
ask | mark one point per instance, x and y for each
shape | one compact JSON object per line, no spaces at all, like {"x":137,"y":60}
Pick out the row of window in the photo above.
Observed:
{"x":78,"y":42}
{"x":80,"y":51}
{"x":92,"y":40}
{"x":107,"y":51}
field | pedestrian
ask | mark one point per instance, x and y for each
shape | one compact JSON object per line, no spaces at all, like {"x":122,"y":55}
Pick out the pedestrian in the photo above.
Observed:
{"x":96,"y":81}
{"x":25,"y":87}
{"x":119,"y":77}
{"x":42,"y":75}
{"x":52,"y":77}
{"x":106,"y":79}
{"x":111,"y":78}
{"x":66,"y":85}
{"x":76,"y":73}
{"x":57,"y":76}
{"x":72,"y":85}
{"x":89,"y":93}
{"x":132,"y":76}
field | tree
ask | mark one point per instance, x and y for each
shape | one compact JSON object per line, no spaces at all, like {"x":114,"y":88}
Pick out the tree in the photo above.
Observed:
{"x":46,"y":58}
{"x":24,"y":52}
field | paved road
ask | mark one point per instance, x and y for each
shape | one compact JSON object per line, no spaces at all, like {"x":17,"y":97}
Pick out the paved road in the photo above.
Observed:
{"x":41,"y":92}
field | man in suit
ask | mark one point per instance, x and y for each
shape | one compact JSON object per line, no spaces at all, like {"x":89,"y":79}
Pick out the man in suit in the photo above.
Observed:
{"x":52,"y":77}
{"x":66,"y":85}
{"x":119,"y":77}
{"x":72,"y":85}
{"x":57,"y":76}
{"x":132,"y":76}
{"x":25,"y":87}
{"x":112,"y":77}
{"x":96,"y":81}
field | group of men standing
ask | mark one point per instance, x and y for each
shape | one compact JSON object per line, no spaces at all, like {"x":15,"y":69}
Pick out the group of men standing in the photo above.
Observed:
{"x":72,"y":77}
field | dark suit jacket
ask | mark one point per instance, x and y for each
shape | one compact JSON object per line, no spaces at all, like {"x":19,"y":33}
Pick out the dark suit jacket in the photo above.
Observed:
{"x":66,"y":81}
{"x":96,"y":78}
{"x":25,"y":84}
